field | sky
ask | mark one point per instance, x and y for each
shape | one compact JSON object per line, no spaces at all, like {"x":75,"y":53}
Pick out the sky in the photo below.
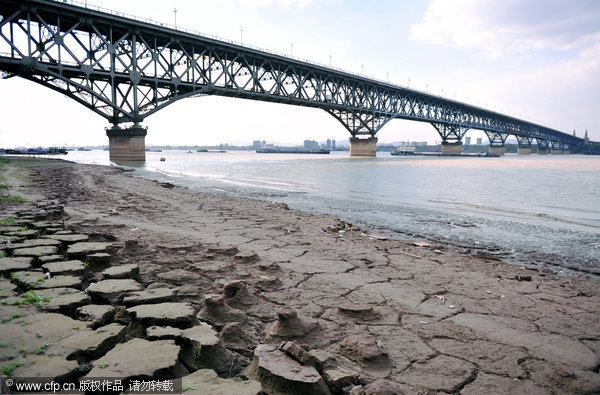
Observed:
{"x":538,"y":60}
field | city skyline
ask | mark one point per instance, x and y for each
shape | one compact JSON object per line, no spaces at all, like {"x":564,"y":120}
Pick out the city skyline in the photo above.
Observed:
{"x":504,"y":57}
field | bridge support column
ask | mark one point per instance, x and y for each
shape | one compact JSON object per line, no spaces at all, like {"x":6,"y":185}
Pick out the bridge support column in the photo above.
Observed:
{"x":127,"y":144}
{"x":544,"y":150}
{"x":451,"y":148}
{"x":497,"y":149}
{"x":524,"y":150}
{"x":365,"y":148}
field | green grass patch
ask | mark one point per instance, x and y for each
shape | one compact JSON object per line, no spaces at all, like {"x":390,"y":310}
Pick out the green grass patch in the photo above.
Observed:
{"x":29,"y":298}
{"x":102,"y":365}
{"x":7,"y":369}
{"x":13,"y":316}
{"x":41,"y":348}
{"x":8,"y":221}
{"x":13,"y":199}
{"x":3,"y":186}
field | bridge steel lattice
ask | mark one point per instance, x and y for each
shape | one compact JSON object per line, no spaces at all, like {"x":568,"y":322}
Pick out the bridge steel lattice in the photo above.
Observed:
{"x":125,"y":69}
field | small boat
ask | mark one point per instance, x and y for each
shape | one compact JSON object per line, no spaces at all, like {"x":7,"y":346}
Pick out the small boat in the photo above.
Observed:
{"x":189,"y":151}
{"x":405,"y":150}
{"x":162,"y":159}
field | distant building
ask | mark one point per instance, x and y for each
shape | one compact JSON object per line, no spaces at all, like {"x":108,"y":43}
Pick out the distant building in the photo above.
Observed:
{"x":329,"y":144}
{"x":467,"y":141}
{"x":256,"y":144}
{"x":332,"y":144}
{"x":479,"y":139}
{"x":310,"y":144}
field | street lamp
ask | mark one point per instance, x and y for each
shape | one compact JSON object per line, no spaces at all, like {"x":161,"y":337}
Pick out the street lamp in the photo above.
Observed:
{"x":175,"y":15}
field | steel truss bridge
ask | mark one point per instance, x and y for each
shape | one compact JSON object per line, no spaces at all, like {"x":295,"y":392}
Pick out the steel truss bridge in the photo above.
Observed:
{"x":125,"y":70}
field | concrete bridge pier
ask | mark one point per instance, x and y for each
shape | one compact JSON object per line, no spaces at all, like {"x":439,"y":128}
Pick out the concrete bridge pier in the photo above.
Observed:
{"x":127,"y":144}
{"x":497,"y":149}
{"x":363,"y":148}
{"x":524,"y":150}
{"x":544,"y":150}
{"x":451,"y":148}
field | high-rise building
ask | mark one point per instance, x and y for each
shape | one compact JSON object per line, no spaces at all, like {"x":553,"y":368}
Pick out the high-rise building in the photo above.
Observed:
{"x":328,"y":143}
{"x":256,"y":144}
{"x":333,"y":144}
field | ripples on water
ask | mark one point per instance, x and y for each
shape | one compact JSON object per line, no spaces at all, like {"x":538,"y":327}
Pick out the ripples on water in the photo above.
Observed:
{"x":527,"y":209}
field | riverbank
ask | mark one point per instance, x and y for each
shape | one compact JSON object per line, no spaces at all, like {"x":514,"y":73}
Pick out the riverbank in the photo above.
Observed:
{"x":246,"y":272}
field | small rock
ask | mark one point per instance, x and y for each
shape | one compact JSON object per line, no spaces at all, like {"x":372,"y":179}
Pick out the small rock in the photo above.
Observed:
{"x":298,"y":353}
{"x":280,"y":374}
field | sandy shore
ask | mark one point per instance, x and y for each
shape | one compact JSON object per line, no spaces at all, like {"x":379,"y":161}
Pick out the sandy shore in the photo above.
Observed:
{"x":424,"y":318}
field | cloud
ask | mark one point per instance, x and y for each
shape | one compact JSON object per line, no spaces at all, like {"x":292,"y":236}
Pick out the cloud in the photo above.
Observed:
{"x":510,"y":26}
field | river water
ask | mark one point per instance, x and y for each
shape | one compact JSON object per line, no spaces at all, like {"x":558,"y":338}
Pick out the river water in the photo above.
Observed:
{"x":528,"y":210}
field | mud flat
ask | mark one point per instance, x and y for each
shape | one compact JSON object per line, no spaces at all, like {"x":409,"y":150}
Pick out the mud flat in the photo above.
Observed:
{"x":109,"y":275}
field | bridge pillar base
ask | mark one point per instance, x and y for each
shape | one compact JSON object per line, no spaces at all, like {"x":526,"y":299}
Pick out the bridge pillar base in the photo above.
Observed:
{"x":524,"y":150}
{"x":497,"y":149}
{"x":128,"y":144}
{"x":451,"y":148}
{"x":544,"y":150}
{"x":363,"y":148}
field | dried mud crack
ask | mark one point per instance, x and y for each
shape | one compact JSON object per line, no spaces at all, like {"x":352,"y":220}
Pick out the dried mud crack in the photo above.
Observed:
{"x":109,"y":275}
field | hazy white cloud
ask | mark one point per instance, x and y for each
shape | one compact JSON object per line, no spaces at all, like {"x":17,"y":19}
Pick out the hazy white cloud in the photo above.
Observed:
{"x":510,"y":26}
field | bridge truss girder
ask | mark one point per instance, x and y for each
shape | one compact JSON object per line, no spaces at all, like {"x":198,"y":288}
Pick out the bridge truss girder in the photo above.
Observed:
{"x":126,"y":70}
{"x":496,"y":138}
{"x":452,"y":134}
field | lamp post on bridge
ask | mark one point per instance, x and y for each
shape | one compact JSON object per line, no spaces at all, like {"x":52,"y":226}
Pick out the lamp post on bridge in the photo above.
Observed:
{"x":241,"y":34}
{"x":175,"y":15}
